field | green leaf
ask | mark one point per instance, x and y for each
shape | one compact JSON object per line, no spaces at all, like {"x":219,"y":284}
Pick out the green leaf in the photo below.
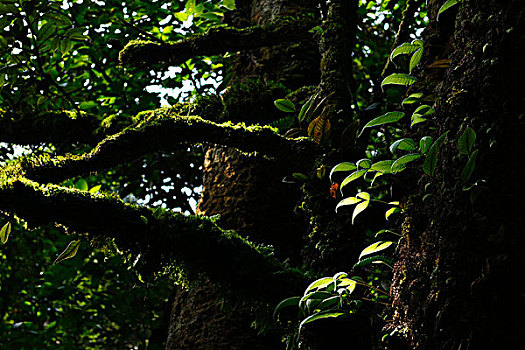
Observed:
{"x":77,"y":34}
{"x":350,"y":284}
{"x":364,"y":163}
{"x":318,"y":284}
{"x":345,"y":166}
{"x":420,"y":113}
{"x":425,"y":143}
{"x":229,"y":4}
{"x":398,"y":79}
{"x":378,"y":259}
{"x":383,"y":166}
{"x":412,"y":98}
{"x":95,"y":189}
{"x":391,"y":211}
{"x":318,"y":316}
{"x":4,"y":232}
{"x":361,"y":206}
{"x":466,"y":141}
{"x":328,"y":303}
{"x":414,"y":60}
{"x":400,"y":162}
{"x":58,"y":19}
{"x":70,"y":251}
{"x":467,"y":171}
{"x":65,"y":46}
{"x":292,"y":301}
{"x":284,"y":105}
{"x":375,"y":247}
{"x":46,"y":31}
{"x":353,"y":176}
{"x":405,"y":144}
{"x":320,"y":294}
{"x":87,"y":105}
{"x":430,"y":162}
{"x":304,"y":108}
{"x":347,"y":201}
{"x":446,"y":6}
{"x":403,"y":49}
{"x":390,"y":117}
{"x":300,"y":176}
{"x":82,"y":185}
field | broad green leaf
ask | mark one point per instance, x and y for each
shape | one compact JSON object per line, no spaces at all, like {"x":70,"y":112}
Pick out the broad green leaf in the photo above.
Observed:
{"x":350,"y":284}
{"x":229,"y":4}
{"x":446,"y":6}
{"x":292,"y":301}
{"x":375,"y":247}
{"x":466,"y":141}
{"x":398,"y":79}
{"x":82,"y":185}
{"x":70,"y":251}
{"x":345,"y":166}
{"x":95,"y":189}
{"x":420,"y":113}
{"x":414,"y":60}
{"x":317,"y":284}
{"x":400,"y":162}
{"x":318,"y":316}
{"x":405,"y":144}
{"x":383,"y":166}
{"x":353,"y":176}
{"x":284,"y":105}
{"x":320,"y":294}
{"x":362,"y":205}
{"x":377,"y":259}
{"x":403,"y":49}
{"x":347,"y":201}
{"x":425,"y":143}
{"x":390,"y":117}
{"x":65,"y":46}
{"x":4,"y":232}
{"x":364,"y":163}
{"x":412,"y":98}
{"x":430,"y":162}
{"x":391,"y":211}
{"x":328,"y":303}
{"x":467,"y":171}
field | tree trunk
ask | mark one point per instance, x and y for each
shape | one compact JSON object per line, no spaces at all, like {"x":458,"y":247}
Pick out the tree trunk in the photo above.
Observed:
{"x":455,"y":285}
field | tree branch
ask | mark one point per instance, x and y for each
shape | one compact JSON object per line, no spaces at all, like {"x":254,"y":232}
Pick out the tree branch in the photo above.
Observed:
{"x":216,"y":41}
{"x":197,"y":242}
{"x":162,"y":130}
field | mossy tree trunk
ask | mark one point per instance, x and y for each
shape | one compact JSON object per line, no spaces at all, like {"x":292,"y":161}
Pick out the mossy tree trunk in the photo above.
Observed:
{"x":456,"y":283}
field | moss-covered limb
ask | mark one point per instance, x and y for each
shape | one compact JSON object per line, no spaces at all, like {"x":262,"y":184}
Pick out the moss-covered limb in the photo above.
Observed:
{"x":336,"y":62}
{"x":160,"y":237}
{"x":59,"y":127}
{"x":216,"y":41}
{"x":162,"y":130}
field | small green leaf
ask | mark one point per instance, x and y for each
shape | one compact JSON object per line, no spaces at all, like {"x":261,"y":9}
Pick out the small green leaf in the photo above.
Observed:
{"x":412,"y":98}
{"x":446,"y":6}
{"x":375,"y":247}
{"x":347,"y":201}
{"x":430,"y":162}
{"x":364,"y":163}
{"x":420,"y":113}
{"x":46,"y":31}
{"x":95,"y":189}
{"x":292,"y":301}
{"x":70,"y":251}
{"x":390,"y":117}
{"x":4,"y":232}
{"x":87,"y":105}
{"x":65,"y":46}
{"x":405,"y":144}
{"x":304,"y":108}
{"x":229,"y":4}
{"x":362,"y":205}
{"x":398,"y":79}
{"x":383,"y":166}
{"x":425,"y":143}
{"x":353,"y":176}
{"x":414,"y":60}
{"x":284,"y":105}
{"x":82,"y":185}
{"x":467,"y":171}
{"x":466,"y":141}
{"x":345,"y":166}
{"x":378,"y":259}
{"x":318,"y":284}
{"x":400,"y":162}
{"x":328,"y":303}
{"x":403,"y":49}
{"x":391,"y":211}
{"x":300,"y":176}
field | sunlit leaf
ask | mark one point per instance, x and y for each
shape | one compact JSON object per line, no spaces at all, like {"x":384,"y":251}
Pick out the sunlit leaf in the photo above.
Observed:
{"x":318,"y":284}
{"x":70,"y":251}
{"x":446,"y":6}
{"x":345,"y":166}
{"x":353,"y":176}
{"x":398,"y":79}
{"x":412,"y":98}
{"x":362,"y":205}
{"x":466,"y":141}
{"x":390,"y":117}
{"x":405,"y":144}
{"x":284,"y":105}
{"x":375,"y":247}
{"x":430,"y":162}
{"x":403,"y":49}
{"x":391,"y":211}
{"x":414,"y":60}
{"x":377,"y":259}
{"x":425,"y":143}
{"x":364,"y":163}
{"x":95,"y":189}
{"x":399,"y":164}
{"x":383,"y":166}
{"x":292,"y":301}
{"x":4,"y":232}
{"x":347,"y":201}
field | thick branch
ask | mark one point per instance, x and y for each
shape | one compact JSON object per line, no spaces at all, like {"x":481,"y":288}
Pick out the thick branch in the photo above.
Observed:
{"x":216,"y":41}
{"x":163,"y":130}
{"x":197,"y":242}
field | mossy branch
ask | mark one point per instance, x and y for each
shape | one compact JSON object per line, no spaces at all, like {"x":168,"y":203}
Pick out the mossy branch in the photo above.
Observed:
{"x":216,"y":41}
{"x":163,"y":130}
{"x":161,"y":237}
